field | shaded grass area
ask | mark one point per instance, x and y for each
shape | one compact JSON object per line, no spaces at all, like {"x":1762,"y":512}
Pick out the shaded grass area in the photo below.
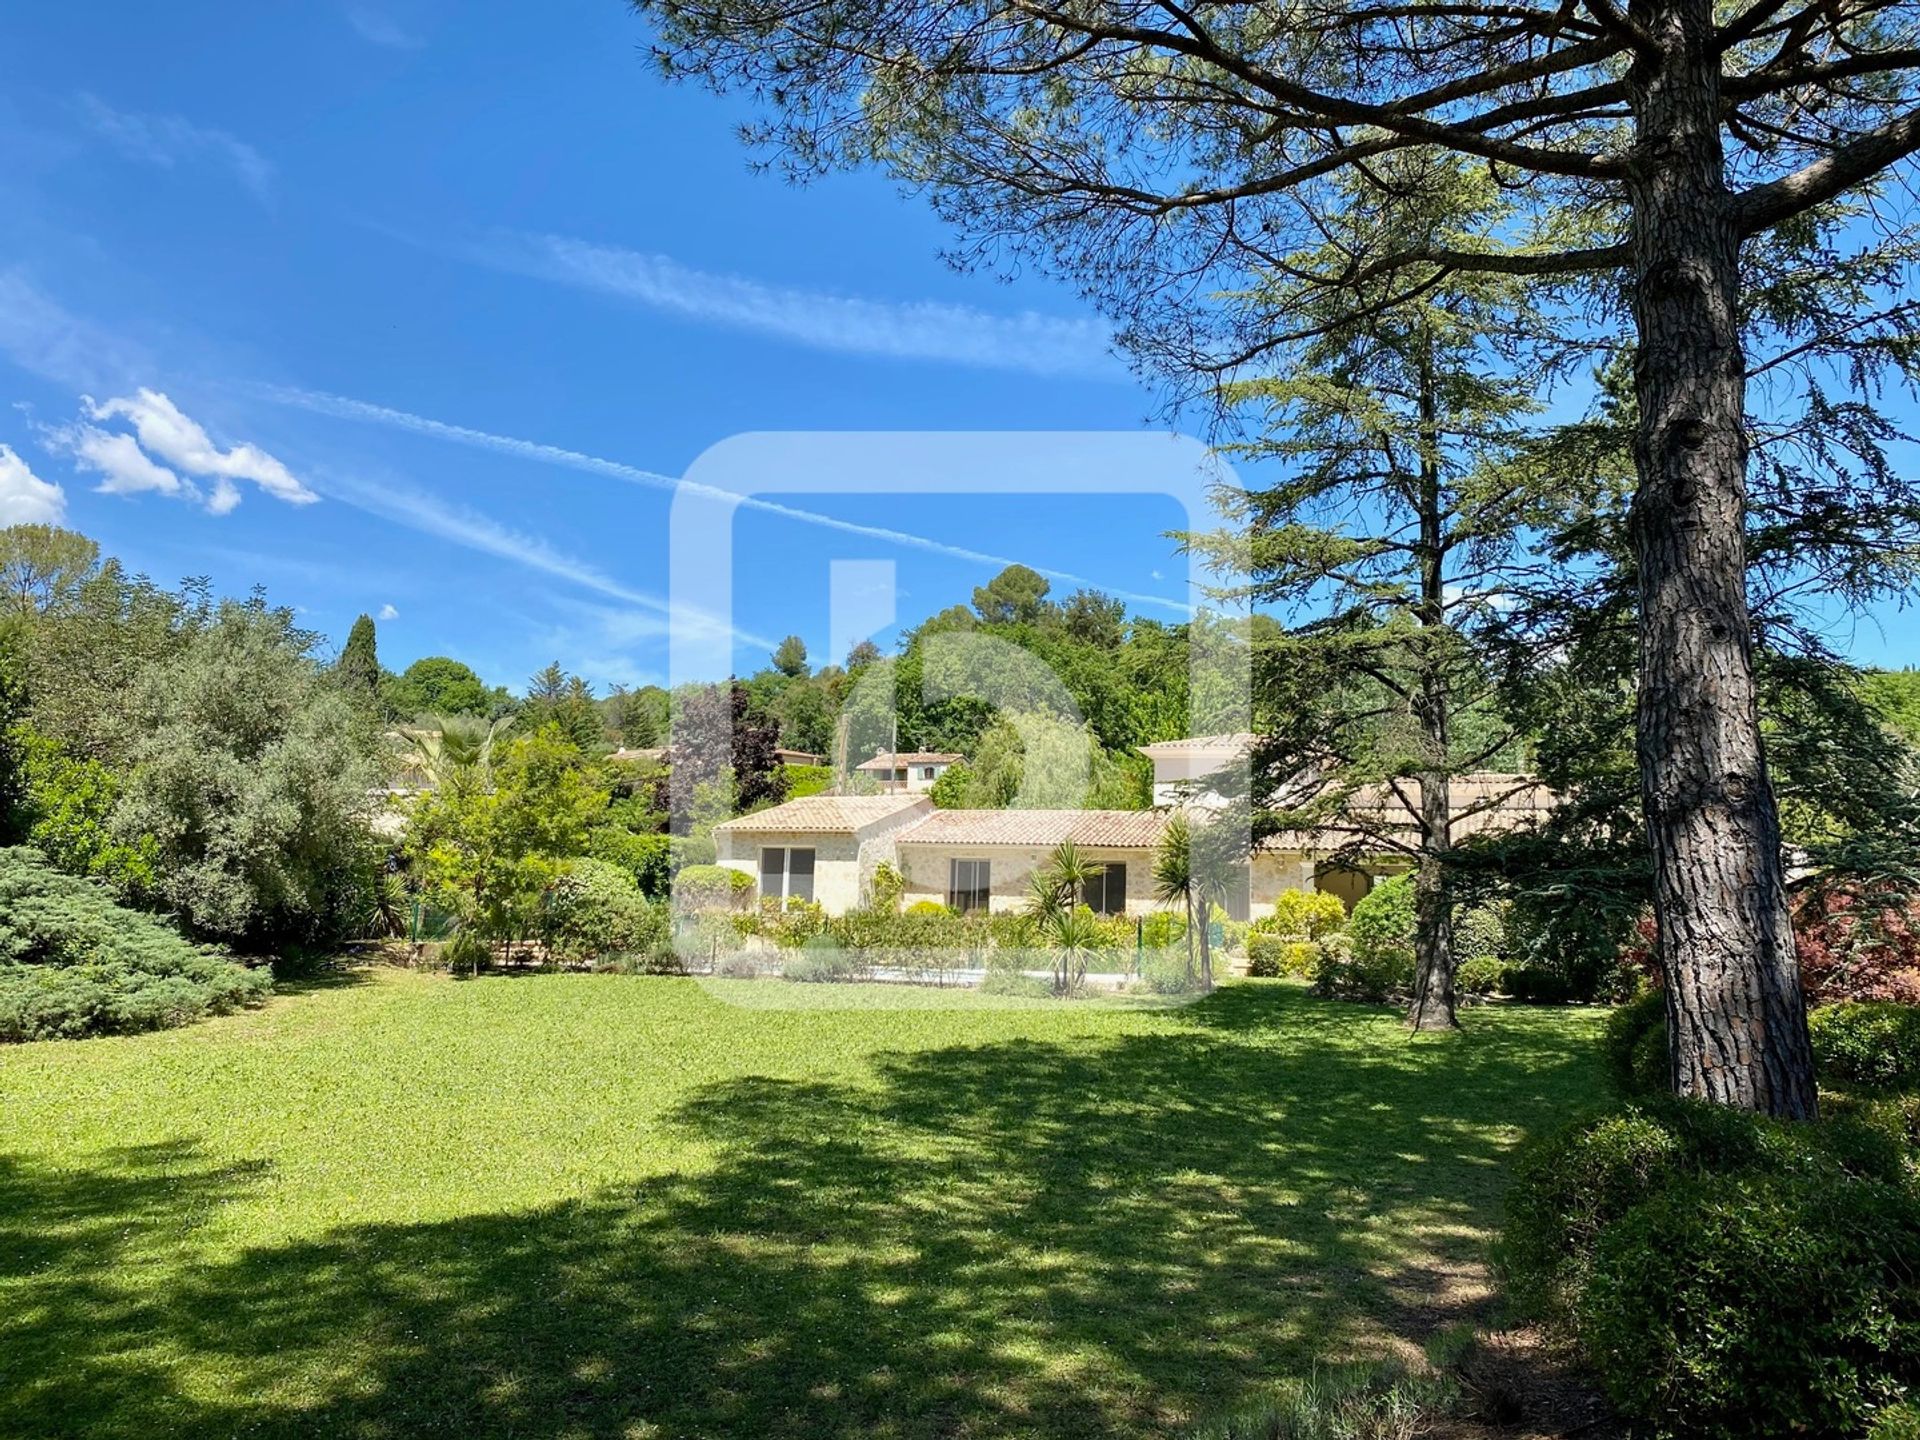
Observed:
{"x":602,"y":1206}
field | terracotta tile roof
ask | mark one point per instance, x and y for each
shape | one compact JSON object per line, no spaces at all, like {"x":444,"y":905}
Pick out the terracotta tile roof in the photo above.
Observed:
{"x":844,"y":814}
{"x":1485,"y":803}
{"x":913,"y":757}
{"x":1120,"y":829}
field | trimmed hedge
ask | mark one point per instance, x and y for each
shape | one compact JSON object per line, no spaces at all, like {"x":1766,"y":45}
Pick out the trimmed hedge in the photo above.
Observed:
{"x":1635,"y":1045}
{"x":712,"y":885}
{"x":1870,"y":1043}
{"x":73,"y":963}
{"x":1704,"y":1257}
{"x":1759,"y":1306}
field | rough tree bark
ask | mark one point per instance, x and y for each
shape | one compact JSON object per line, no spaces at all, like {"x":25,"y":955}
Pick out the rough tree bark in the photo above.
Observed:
{"x":1433,"y":997}
{"x":1736,"y":1022}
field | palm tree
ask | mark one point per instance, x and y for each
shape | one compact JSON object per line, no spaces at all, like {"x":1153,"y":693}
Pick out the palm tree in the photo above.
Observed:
{"x":1173,"y":878}
{"x":1195,"y":864}
{"x":452,"y":751}
{"x":1053,"y":904}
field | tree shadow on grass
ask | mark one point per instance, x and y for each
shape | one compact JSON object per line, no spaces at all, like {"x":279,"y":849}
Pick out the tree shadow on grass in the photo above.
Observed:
{"x":1104,"y":1237}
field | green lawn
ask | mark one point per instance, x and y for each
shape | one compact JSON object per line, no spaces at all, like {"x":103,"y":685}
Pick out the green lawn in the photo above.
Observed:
{"x":604,"y":1206}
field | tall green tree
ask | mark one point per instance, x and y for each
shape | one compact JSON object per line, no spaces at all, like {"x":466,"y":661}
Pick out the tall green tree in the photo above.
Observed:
{"x":1154,"y":152}
{"x":566,"y":701}
{"x":1016,"y":595}
{"x":43,"y":567}
{"x":441,"y":685}
{"x":790,"y":657}
{"x":358,"y":667}
{"x":250,"y":775}
{"x":1396,"y":525}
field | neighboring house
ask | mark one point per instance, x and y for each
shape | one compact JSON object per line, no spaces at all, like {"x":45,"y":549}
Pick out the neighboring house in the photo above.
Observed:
{"x":911,"y":774}
{"x":822,"y":848}
{"x":651,"y":754}
{"x":825,"y":847}
{"x":799,"y":757}
{"x":1181,"y":766}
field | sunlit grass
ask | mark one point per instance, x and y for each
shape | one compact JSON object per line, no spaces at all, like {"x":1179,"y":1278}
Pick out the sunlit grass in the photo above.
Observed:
{"x":606,"y":1206}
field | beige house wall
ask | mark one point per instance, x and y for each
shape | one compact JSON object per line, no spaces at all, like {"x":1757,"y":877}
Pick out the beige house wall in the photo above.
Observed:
{"x":843,"y":862}
{"x":836,"y":862}
{"x":926,"y":870}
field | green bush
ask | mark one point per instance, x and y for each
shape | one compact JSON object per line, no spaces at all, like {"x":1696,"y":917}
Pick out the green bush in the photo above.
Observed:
{"x":1163,"y":929}
{"x":1480,"y":933}
{"x":791,"y":925}
{"x":73,"y":963}
{"x":1376,"y":959}
{"x":705,"y":887}
{"x":1269,"y":955}
{"x":1480,"y":976}
{"x":928,"y":907}
{"x":647,"y":858}
{"x":1897,"y":1422}
{"x":596,"y":909}
{"x":1303,"y":915}
{"x":1339,"y":970}
{"x":1873,"y":1044}
{"x":1758,"y":1306}
{"x":1635,"y":1046}
{"x":68,"y":803}
{"x":1266,"y":954}
{"x":1570,"y":1186}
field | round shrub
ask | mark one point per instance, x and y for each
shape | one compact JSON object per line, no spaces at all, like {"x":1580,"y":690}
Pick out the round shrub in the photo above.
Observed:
{"x":1571,"y":1185}
{"x":1873,"y":1044}
{"x":1480,"y":933}
{"x":1163,"y":929}
{"x":1481,"y":976}
{"x":1339,"y":970}
{"x":705,"y":887}
{"x":1266,"y":955}
{"x":1635,"y":1045}
{"x":1374,"y":959}
{"x":1758,"y":1306}
{"x":1567,"y":1188}
{"x":597,"y":909}
{"x":1303,"y":915}
{"x":927,"y":907}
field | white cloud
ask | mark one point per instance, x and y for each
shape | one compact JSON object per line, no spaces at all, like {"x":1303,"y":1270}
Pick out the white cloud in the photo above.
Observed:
{"x":26,"y":499}
{"x":168,"y":433}
{"x":195,"y":468}
{"x":169,"y":140}
{"x":917,"y":330}
{"x":124,"y":468}
{"x":345,"y":408}
{"x":378,"y":29}
{"x":388,"y":612}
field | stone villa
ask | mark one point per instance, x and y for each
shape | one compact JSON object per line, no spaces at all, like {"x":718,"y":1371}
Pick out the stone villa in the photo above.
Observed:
{"x":827,"y":847}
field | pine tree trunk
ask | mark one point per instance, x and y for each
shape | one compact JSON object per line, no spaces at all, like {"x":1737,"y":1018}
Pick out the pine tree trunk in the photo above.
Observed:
{"x":1736,"y":1022}
{"x":1433,"y":998}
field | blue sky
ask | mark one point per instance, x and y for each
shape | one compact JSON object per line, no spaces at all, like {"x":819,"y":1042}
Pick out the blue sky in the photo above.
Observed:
{"x":417,"y":309}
